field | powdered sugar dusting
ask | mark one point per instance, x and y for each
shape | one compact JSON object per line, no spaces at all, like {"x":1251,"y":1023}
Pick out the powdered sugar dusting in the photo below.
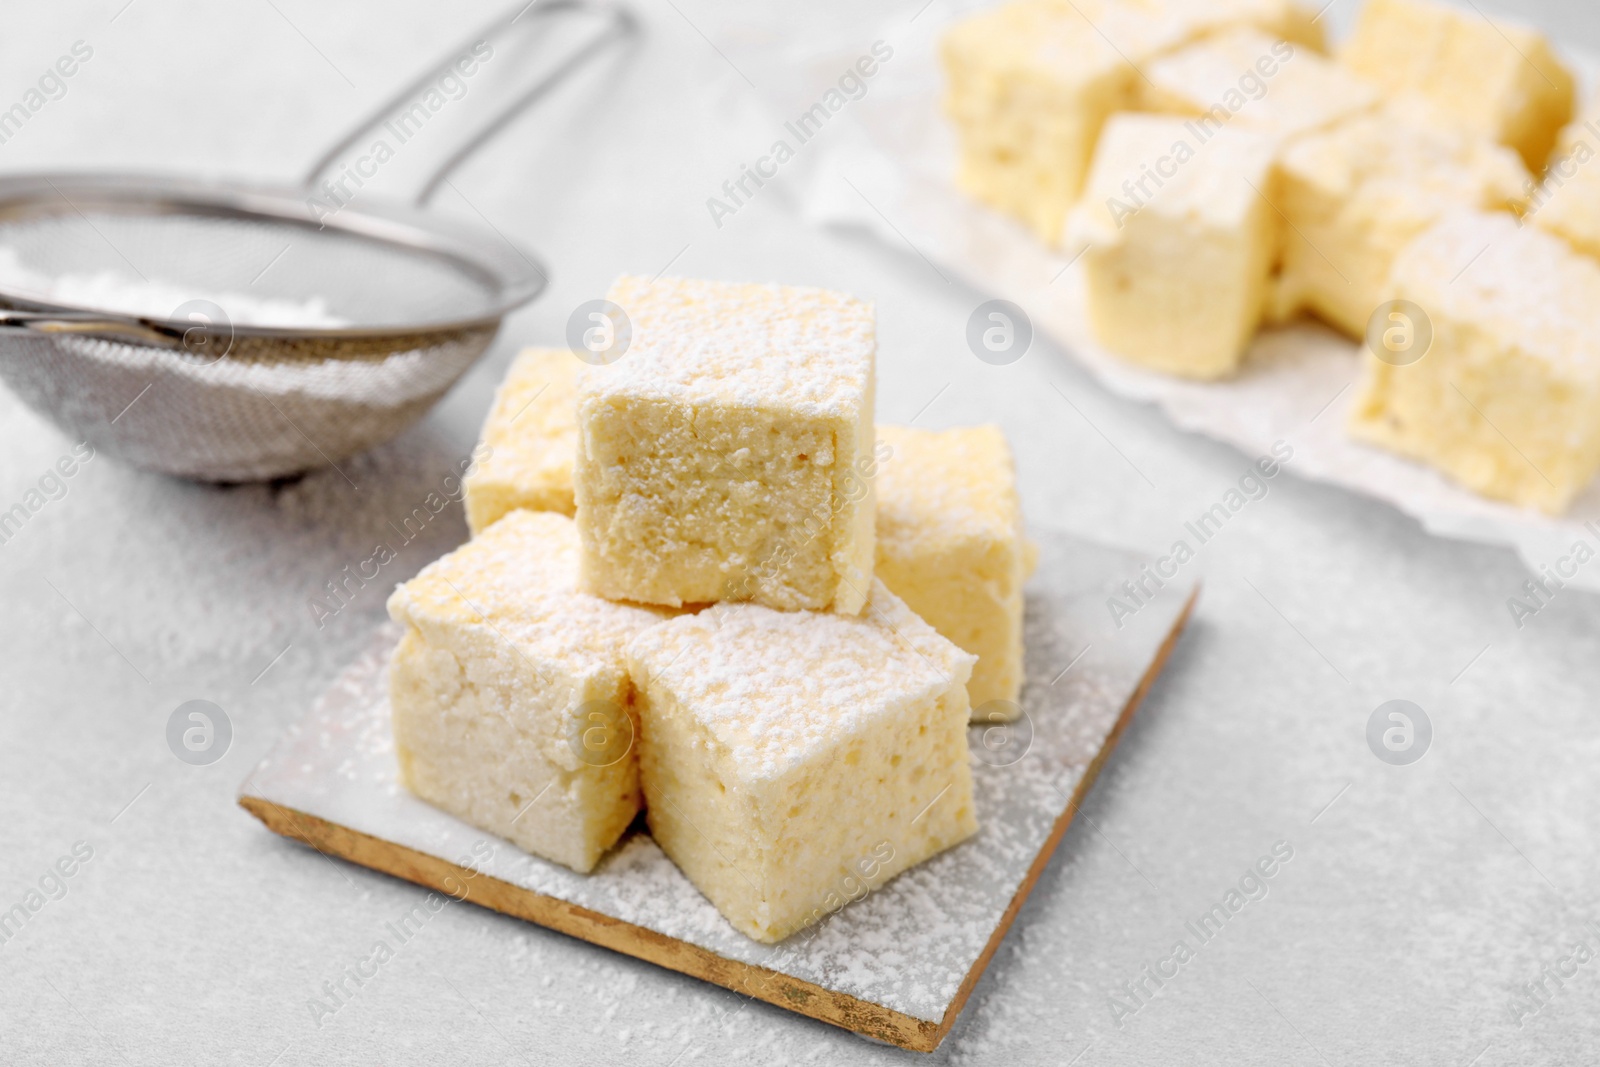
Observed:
{"x":790,"y":347}
{"x":945,"y":487}
{"x":520,"y":576}
{"x":773,"y":686}
{"x":908,"y":945}
{"x":1398,"y":166}
{"x":1305,"y":91}
{"x":1515,"y":282}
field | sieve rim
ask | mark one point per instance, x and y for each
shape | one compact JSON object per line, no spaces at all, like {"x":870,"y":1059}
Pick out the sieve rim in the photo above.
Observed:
{"x":514,"y":277}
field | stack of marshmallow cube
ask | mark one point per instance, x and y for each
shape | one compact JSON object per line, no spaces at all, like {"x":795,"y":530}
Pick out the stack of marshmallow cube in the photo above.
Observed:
{"x":703,"y":583}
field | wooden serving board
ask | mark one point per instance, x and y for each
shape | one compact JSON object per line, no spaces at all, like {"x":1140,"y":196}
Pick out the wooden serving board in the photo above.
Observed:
{"x":896,"y":965}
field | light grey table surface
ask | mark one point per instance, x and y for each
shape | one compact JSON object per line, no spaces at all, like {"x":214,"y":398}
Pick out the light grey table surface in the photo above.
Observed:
{"x":1420,"y":900}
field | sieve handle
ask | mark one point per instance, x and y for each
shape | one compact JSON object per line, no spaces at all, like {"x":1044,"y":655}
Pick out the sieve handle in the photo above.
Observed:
{"x":96,"y":324}
{"x":617,"y":24}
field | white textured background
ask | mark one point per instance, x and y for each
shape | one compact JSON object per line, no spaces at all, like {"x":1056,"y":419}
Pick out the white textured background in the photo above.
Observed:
{"x":1416,"y":904}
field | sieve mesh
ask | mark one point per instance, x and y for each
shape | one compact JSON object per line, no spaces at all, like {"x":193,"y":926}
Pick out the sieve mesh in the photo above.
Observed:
{"x":413,"y":302}
{"x":235,"y":420}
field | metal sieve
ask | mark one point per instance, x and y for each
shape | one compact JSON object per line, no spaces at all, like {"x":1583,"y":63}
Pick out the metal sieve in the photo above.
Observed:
{"x":346,"y":327}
